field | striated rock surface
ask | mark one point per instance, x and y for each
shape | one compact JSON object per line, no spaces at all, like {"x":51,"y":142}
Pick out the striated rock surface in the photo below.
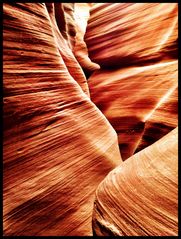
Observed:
{"x":71,"y":19}
{"x":136,"y":86}
{"x":140,"y":102}
{"x":140,"y":197}
{"x":57,"y":146}
{"x":124,"y":34}
{"x":162,"y":120}
{"x":81,"y":16}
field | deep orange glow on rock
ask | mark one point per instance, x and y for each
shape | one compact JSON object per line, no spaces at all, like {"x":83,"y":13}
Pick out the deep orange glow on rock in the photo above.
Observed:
{"x":90,"y":94}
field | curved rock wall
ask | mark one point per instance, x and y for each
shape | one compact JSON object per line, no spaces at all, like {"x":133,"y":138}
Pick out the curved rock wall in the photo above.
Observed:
{"x":136,"y":88}
{"x":126,"y":34}
{"x":140,"y":197}
{"x":135,"y":45}
{"x":58,"y":147}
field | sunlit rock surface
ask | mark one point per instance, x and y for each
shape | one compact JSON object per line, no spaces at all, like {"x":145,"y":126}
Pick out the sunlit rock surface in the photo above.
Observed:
{"x":81,"y":16}
{"x":57,"y":146}
{"x":124,"y":34}
{"x":136,"y":86}
{"x":140,"y":197}
{"x":135,"y":99}
{"x":62,"y":62}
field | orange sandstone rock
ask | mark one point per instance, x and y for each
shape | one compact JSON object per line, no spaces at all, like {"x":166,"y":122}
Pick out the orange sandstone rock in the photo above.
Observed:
{"x":136,"y":48}
{"x":57,"y":146}
{"x":140,"y":197}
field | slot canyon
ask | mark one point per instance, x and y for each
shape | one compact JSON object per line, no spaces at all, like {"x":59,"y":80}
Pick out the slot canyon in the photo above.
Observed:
{"x":90,"y":119}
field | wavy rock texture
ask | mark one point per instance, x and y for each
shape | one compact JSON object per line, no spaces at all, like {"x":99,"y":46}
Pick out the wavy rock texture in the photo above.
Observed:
{"x":81,"y":16}
{"x":71,"y":19}
{"x":140,"y":197}
{"x":136,"y":86}
{"x":57,"y":145}
{"x":135,"y":100}
{"x":124,"y":34}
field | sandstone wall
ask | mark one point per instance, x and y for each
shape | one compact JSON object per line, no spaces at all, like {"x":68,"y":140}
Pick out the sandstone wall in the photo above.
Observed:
{"x":87,"y":86}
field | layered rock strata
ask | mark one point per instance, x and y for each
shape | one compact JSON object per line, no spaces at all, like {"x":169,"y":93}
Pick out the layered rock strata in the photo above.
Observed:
{"x":140,"y":197}
{"x":62,"y":128}
{"x":136,"y":88}
{"x":136,"y":48}
{"x":57,"y":146}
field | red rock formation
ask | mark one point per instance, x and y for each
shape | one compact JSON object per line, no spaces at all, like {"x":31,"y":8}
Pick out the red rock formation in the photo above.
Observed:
{"x":162,"y":119}
{"x":140,"y":197}
{"x":136,"y":89}
{"x":125,"y":34}
{"x":131,"y":97}
{"x":136,"y":47}
{"x":81,"y":14}
{"x":57,"y":146}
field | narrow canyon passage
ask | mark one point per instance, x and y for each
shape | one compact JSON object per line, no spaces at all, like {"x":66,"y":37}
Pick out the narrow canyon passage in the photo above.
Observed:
{"x":90,"y":140}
